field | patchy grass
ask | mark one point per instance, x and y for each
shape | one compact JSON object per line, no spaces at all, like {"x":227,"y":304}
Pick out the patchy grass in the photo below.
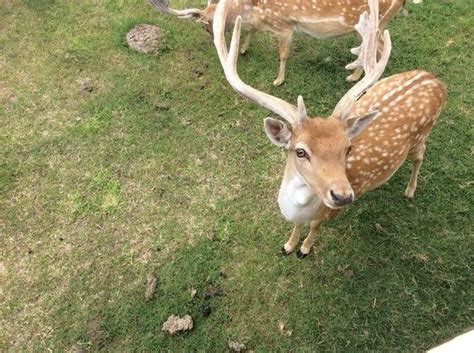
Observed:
{"x":163,"y":169}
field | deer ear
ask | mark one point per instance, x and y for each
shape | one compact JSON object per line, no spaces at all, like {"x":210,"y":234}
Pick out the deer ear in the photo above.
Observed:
{"x":277,"y":132}
{"x":357,"y":124}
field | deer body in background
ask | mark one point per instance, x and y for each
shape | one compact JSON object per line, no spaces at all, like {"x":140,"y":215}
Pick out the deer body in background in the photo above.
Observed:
{"x":318,"y":18}
{"x":373,"y":129}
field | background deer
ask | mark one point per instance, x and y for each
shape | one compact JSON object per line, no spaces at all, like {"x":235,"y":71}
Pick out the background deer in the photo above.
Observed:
{"x":373,"y":129}
{"x":318,"y":18}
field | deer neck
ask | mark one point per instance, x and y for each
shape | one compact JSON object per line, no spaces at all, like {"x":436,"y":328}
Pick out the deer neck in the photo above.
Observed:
{"x":238,"y":8}
{"x":297,"y":201}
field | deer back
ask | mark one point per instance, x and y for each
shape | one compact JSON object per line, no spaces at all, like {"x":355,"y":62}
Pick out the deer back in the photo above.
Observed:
{"x":323,"y":18}
{"x":408,"y":104}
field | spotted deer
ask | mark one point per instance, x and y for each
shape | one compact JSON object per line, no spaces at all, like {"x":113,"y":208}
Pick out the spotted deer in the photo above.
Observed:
{"x":318,"y":18}
{"x":373,"y":129}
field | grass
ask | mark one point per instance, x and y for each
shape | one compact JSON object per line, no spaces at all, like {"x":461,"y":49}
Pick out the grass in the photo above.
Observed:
{"x":163,"y":169}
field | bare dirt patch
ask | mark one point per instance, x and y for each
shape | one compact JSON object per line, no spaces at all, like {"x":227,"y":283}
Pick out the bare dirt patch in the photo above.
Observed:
{"x":94,"y":331}
{"x":85,"y":84}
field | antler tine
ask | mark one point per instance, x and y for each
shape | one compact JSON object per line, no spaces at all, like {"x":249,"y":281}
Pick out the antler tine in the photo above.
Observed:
{"x":162,"y":5}
{"x":368,"y":27}
{"x":229,"y":64}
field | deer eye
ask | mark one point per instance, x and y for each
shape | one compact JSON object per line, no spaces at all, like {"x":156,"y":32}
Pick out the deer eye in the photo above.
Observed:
{"x":349,"y":149}
{"x":301,"y":153}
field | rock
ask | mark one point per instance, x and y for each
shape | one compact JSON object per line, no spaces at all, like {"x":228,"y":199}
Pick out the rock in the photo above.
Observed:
{"x":176,"y":324}
{"x":145,"y":38}
{"x":150,"y":286}
{"x":236,"y":346}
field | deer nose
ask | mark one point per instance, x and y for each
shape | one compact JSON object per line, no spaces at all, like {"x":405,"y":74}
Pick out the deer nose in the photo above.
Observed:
{"x":341,"y":200}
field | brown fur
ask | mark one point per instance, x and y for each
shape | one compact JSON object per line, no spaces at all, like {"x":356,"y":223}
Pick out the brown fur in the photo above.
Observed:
{"x":409,"y":104}
{"x":319,"y":18}
{"x":385,"y":126}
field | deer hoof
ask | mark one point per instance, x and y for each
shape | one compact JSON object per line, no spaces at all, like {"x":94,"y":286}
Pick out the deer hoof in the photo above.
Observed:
{"x":410,"y":193}
{"x":286,"y":249}
{"x":300,"y":255}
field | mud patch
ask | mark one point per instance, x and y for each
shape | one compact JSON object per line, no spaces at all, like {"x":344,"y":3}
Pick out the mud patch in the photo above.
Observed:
{"x":95,"y":333}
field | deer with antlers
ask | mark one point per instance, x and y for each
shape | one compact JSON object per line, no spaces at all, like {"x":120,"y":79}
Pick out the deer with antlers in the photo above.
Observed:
{"x":318,"y":18}
{"x":373,"y":129}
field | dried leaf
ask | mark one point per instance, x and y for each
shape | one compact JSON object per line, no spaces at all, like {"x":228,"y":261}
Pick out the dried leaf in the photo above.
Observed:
{"x":236,"y":346}
{"x":348,"y":273}
{"x":150,"y":286}
{"x":283,"y":329}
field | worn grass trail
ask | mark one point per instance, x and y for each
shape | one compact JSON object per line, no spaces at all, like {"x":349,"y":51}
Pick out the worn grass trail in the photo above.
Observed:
{"x":163,"y":169}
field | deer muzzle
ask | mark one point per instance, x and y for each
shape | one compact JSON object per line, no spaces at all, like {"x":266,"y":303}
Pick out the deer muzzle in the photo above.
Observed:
{"x":339,"y":194}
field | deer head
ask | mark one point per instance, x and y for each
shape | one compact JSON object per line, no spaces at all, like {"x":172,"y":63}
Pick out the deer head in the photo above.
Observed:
{"x":317,"y":147}
{"x":202,"y":16}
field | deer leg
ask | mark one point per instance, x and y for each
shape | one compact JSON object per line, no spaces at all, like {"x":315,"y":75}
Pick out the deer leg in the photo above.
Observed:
{"x":290,"y":245}
{"x":417,"y":158}
{"x":323,"y":213}
{"x":284,"y":47}
{"x":248,"y":39}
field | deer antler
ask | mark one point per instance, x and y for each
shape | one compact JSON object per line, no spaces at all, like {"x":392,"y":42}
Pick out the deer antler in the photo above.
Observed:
{"x":228,"y":61}
{"x":162,"y":5}
{"x":368,"y":27}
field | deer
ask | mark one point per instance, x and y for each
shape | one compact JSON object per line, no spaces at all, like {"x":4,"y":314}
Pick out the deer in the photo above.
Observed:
{"x":373,"y":129}
{"x":320,"y":19}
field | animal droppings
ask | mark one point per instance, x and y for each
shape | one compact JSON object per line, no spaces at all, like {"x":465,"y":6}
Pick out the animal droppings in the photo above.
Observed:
{"x":176,"y":324}
{"x":150,"y":286}
{"x":145,"y":38}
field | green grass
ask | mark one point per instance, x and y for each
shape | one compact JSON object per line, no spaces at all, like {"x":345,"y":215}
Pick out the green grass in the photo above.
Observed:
{"x":164,"y":169}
